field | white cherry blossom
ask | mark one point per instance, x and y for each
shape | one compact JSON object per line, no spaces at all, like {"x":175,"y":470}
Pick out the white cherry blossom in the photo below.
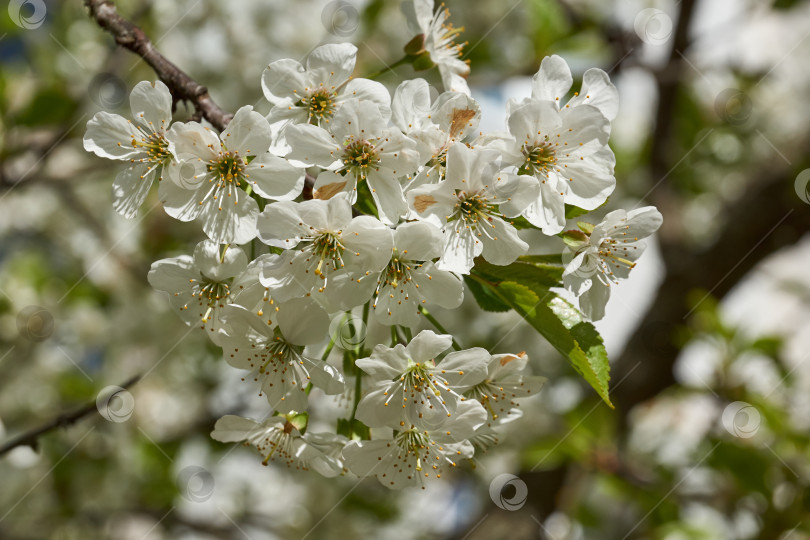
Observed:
{"x":277,"y":438}
{"x":453,"y":117}
{"x":567,"y":152}
{"x":201,"y":286}
{"x":322,"y":241}
{"x":361,"y":147}
{"x":553,"y":81}
{"x":316,"y":92}
{"x":141,"y":142}
{"x":271,"y":347}
{"x":410,"y":279}
{"x":413,"y":455}
{"x":471,"y":205}
{"x":439,"y":42}
{"x":410,"y":386}
{"x":506,"y":381}
{"x":606,"y":255}
{"x":213,"y":176}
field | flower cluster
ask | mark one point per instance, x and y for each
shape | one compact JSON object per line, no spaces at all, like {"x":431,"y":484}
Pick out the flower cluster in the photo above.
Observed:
{"x":350,"y":197}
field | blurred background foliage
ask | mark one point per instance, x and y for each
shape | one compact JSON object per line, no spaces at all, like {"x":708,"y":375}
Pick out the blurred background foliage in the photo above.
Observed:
{"x":709,"y":340}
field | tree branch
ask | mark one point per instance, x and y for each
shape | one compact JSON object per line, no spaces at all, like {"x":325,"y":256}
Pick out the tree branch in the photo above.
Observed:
{"x":180,"y":84}
{"x":30,"y":438}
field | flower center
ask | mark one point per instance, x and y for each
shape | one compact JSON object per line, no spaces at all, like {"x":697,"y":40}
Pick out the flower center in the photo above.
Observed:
{"x":156,"y":147}
{"x":229,"y":167}
{"x":471,"y":208}
{"x":320,"y":105}
{"x":540,"y":158}
{"x":325,"y":254}
{"x":445,"y":33}
{"x":210,"y":294}
{"x":359,"y":157}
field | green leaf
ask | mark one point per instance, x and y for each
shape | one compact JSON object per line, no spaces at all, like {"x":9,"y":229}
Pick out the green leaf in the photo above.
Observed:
{"x":487,"y":300}
{"x":353,"y":429}
{"x":572,"y":211}
{"x":299,"y":421}
{"x":536,"y":276}
{"x":563,"y":326}
{"x":551,"y":258}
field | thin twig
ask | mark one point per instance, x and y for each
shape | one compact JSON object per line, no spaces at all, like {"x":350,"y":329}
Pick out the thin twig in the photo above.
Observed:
{"x":180,"y":84}
{"x":30,"y":438}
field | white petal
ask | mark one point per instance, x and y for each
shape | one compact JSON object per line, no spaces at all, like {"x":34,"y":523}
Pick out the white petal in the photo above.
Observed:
{"x":548,"y":212}
{"x":418,"y":241}
{"x":589,"y":180}
{"x":469,"y":169}
{"x":502,"y":245}
{"x":231,"y":428}
{"x":275,"y":178}
{"x":597,"y":90}
{"x":230,"y":222}
{"x":278,"y":274}
{"x":585,"y":131}
{"x":385,"y":363}
{"x":192,"y":139}
{"x":284,"y":80}
{"x":312,"y":145}
{"x":334,"y":63}
{"x":130,"y":188}
{"x":282,"y":225}
{"x":464,"y":369}
{"x":181,"y":203}
{"x":388,"y":196}
{"x":172,"y":275}
{"x":533,"y":119}
{"x":594,"y":300}
{"x":247,"y":133}
{"x":366,"y":90}
{"x":369,"y":244}
{"x":427,"y":345}
{"x":328,"y":184}
{"x":553,"y":81}
{"x":459,"y":250}
{"x":516,"y":192}
{"x":110,"y":136}
{"x":303,"y":321}
{"x":410,"y":107}
{"x":382,"y":407}
{"x":151,"y":105}
{"x":358,"y":120}
{"x":433,"y":202}
{"x":439,"y":287}
{"x":210,"y":263}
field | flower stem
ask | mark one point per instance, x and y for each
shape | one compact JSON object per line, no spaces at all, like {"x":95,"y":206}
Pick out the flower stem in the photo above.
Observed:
{"x":224,"y":251}
{"x":438,"y":326}
{"x":403,"y":60}
{"x":358,"y":380}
